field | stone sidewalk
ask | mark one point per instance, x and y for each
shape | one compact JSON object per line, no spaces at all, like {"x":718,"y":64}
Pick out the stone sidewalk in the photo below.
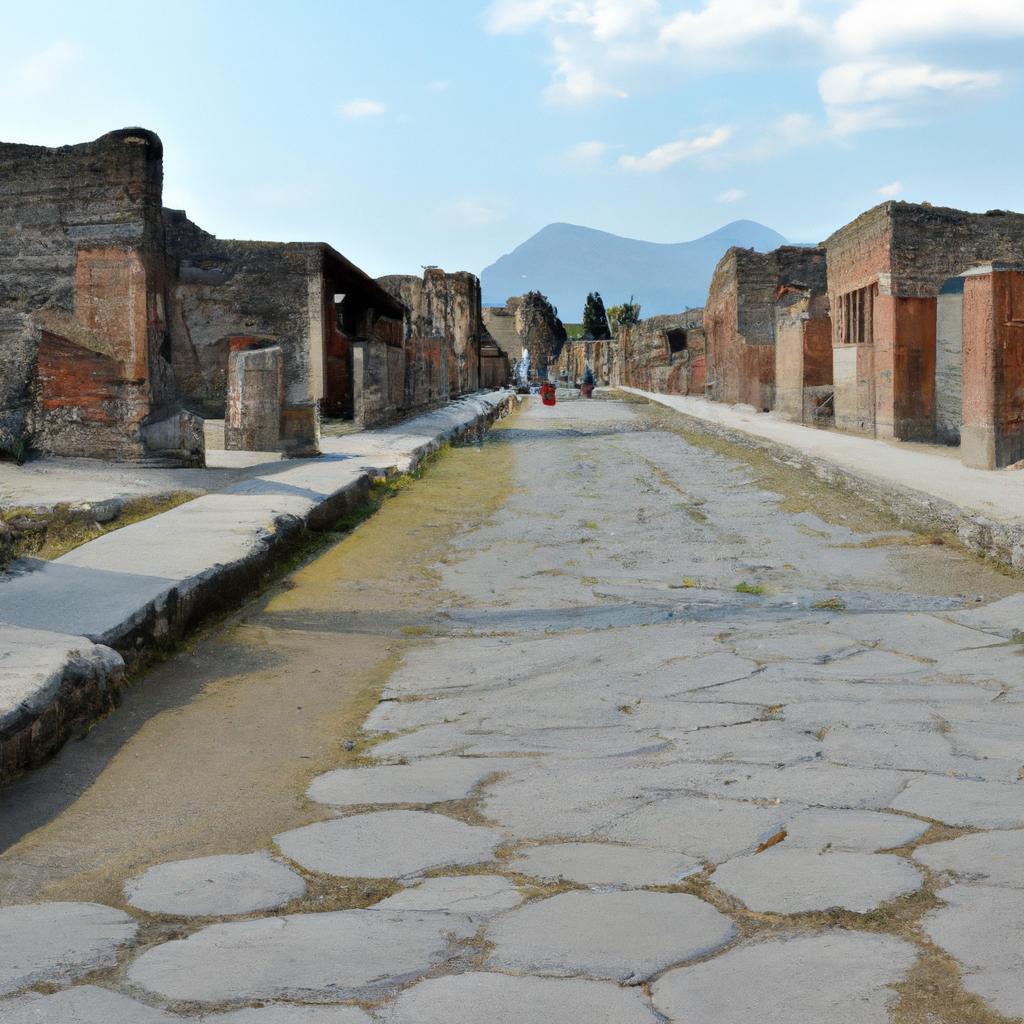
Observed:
{"x":925,"y":486}
{"x":677,"y":754}
{"x":68,"y":625}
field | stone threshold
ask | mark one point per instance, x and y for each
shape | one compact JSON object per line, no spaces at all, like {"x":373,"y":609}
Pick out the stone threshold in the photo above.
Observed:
{"x":924,"y":489}
{"x":71,"y":629}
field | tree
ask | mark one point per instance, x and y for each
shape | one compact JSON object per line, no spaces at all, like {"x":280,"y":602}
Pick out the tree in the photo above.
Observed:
{"x":624,"y":315}
{"x":595,"y":319}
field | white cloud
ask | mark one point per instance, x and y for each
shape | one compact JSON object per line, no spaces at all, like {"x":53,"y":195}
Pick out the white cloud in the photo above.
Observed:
{"x":510,"y":16}
{"x":867,"y":95}
{"x":575,"y":80}
{"x":671,"y":153}
{"x":41,"y":73}
{"x":361,"y":108}
{"x":470,"y":212}
{"x":732,"y":195}
{"x":585,"y":152}
{"x":604,"y":19}
{"x":726,"y":24}
{"x":894,"y":188}
{"x":870,"y":25}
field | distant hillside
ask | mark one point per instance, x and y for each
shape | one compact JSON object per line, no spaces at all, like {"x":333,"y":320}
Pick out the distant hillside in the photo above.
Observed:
{"x":565,"y":262}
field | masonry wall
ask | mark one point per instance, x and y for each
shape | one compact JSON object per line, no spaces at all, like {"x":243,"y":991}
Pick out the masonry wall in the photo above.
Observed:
{"x":664,"y":353}
{"x":442,"y":334}
{"x":949,"y":359}
{"x":81,"y":252}
{"x":803,"y":356}
{"x":739,"y":318}
{"x":886,"y":270}
{"x":224,"y":288}
{"x":993,"y":377}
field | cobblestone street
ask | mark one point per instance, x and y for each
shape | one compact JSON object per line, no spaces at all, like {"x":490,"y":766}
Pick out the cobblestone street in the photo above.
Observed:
{"x":626,"y":729}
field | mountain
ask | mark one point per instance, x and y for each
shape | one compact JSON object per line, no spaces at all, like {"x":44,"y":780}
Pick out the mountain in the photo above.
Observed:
{"x":565,"y":262}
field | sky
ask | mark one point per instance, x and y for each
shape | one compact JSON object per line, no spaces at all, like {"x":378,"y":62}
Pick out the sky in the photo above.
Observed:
{"x":408,"y":133}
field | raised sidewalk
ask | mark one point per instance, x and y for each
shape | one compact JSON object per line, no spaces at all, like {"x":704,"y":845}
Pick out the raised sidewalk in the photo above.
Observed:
{"x":925,"y":487}
{"x":68,"y":627}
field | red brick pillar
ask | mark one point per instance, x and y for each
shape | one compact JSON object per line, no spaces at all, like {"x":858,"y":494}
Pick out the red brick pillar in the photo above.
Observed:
{"x":993,"y":381}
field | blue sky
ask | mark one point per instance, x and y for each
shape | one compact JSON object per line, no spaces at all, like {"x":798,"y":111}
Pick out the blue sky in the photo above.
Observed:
{"x":408,"y":133}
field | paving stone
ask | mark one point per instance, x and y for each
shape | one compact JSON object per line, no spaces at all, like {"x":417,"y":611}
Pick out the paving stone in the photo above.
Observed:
{"x":816,"y":648}
{"x":83,"y":1005}
{"x":347,"y":954}
{"x":467,"y":738}
{"x":964,"y":802}
{"x":1005,"y":617}
{"x":673,"y":718}
{"x":693,"y":674}
{"x":215,"y":886}
{"x":915,"y":634}
{"x":838,"y":977}
{"x":612,"y":935}
{"x":476,"y":897}
{"x":423,"y":782}
{"x":769,"y":743}
{"x":995,"y":858}
{"x":784,"y":881}
{"x":814,"y":784}
{"x":387,"y":844}
{"x":480,"y":998}
{"x":578,"y":798}
{"x":283,"y":1014}
{"x":865,"y":831}
{"x":55,"y":941}
{"x":705,"y":828}
{"x":883,"y":746}
{"x":981,"y":927}
{"x":603,"y":864}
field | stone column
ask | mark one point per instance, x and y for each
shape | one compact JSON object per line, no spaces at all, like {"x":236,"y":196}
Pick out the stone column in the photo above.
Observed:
{"x":255,"y":393}
{"x":993,"y":377}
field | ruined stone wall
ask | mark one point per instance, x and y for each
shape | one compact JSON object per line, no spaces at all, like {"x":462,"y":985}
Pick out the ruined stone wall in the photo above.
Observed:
{"x":442,"y":334}
{"x":224,"y":288}
{"x":885,"y":271}
{"x":81,"y":251}
{"x":803,"y":352}
{"x":739,"y":318}
{"x":663,"y":353}
{"x":993,"y":367}
{"x":19,"y":355}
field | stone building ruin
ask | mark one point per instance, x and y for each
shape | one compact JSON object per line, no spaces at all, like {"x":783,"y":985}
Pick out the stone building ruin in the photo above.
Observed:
{"x":740,"y":318}
{"x":123,"y":325}
{"x":84,"y":336}
{"x":906,"y":355}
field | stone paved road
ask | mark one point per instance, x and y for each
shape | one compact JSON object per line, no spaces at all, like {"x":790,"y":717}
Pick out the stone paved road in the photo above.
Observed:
{"x":675,"y":736}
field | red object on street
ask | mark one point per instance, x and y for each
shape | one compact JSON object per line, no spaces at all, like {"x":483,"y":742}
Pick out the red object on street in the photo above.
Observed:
{"x":547,"y":393}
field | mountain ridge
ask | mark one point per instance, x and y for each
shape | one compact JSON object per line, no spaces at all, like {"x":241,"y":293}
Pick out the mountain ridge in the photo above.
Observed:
{"x":566,"y":261}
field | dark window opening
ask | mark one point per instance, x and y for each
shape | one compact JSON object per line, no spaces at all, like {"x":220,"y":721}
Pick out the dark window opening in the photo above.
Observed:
{"x":676,"y":341}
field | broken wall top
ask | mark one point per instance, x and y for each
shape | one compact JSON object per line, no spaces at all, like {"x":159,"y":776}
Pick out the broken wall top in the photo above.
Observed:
{"x":912,"y":249}
{"x":56,"y":201}
{"x":203,"y":258}
{"x":746,"y":285}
